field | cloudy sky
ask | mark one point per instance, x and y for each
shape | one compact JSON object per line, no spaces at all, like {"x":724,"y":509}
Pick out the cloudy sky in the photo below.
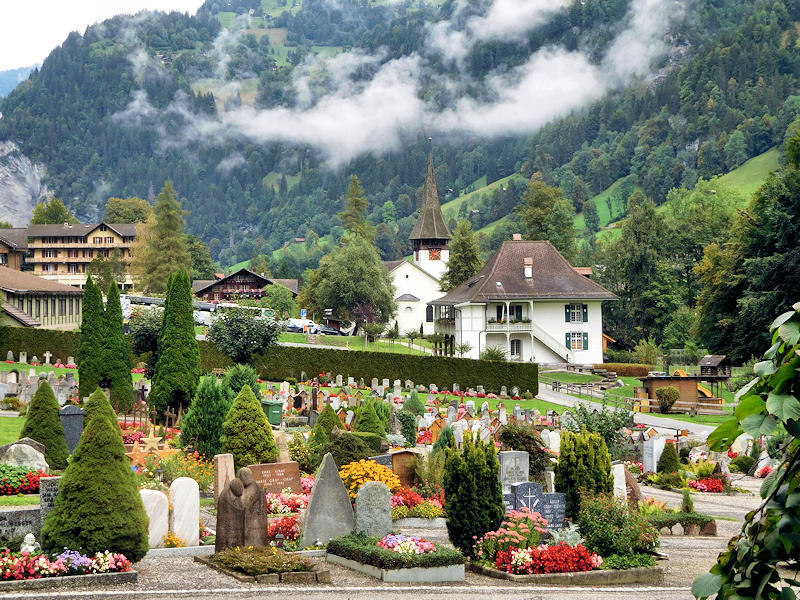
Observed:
{"x":30,"y":30}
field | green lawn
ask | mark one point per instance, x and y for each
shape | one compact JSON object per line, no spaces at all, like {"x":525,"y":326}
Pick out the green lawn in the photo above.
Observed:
{"x":749,"y":177}
{"x":450,"y":209}
{"x":600,"y":201}
{"x":10,"y":428}
{"x":354,"y":343}
{"x":20,"y":500}
{"x":572,"y":377}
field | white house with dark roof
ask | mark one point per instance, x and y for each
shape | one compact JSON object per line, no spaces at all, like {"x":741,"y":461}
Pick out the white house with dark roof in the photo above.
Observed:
{"x":417,"y":281}
{"x":530,"y":302}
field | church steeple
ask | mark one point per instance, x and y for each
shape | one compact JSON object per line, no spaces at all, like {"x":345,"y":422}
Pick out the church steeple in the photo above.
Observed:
{"x":430,"y":237}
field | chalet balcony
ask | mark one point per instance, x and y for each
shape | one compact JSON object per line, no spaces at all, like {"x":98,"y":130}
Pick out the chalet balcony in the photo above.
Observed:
{"x":34,"y":244}
{"x":509,"y":326}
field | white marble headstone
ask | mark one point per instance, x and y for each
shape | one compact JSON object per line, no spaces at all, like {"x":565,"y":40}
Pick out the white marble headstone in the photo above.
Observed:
{"x":156,"y":505}
{"x":184,"y":495}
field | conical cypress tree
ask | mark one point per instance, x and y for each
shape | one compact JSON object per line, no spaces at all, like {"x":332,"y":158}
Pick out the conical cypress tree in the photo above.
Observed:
{"x":98,"y":506}
{"x":178,"y":370}
{"x":117,"y":353}
{"x":43,"y":424}
{"x":97,"y":404}
{"x":414,"y":404}
{"x":583,"y":464}
{"x":367,"y":420}
{"x":93,"y":332}
{"x":246,"y":432}
{"x":328,"y":421}
{"x":202,"y":425}
{"x":669,"y":462}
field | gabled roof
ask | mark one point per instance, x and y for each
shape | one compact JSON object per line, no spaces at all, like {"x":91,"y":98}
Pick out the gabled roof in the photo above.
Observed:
{"x":21,"y":282}
{"x":290,"y":284}
{"x":19,"y":315}
{"x":393,"y":265}
{"x":712,"y":360}
{"x":407,"y":298}
{"x":15,"y":238}
{"x":430,"y":225}
{"x":78,"y":229}
{"x":503,"y":278}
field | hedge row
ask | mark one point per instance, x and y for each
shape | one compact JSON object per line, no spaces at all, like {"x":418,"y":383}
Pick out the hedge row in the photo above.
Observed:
{"x":38,"y":341}
{"x":290,"y":361}
{"x":626,"y":369}
{"x":670,"y":519}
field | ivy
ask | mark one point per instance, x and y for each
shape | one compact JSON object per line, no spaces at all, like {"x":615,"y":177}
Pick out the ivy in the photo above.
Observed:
{"x":770,"y":536}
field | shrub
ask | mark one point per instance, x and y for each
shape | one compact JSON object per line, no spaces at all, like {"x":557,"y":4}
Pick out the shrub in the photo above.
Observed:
{"x":429,"y":469}
{"x":202,"y":425}
{"x":239,"y":376}
{"x":473,"y":495}
{"x":687,"y":502}
{"x":494,"y":353}
{"x":372,"y":440}
{"x":414,"y":405}
{"x":628,"y":561}
{"x":408,"y":427}
{"x":520,"y":529}
{"x":384,"y":412}
{"x":328,"y":420}
{"x":569,"y":535}
{"x":669,"y":461}
{"x":703,"y":468}
{"x":584,"y":466}
{"x":117,"y":353}
{"x":90,"y":346}
{"x":98,"y":404}
{"x":345,"y":448}
{"x":673,"y":480}
{"x":445,"y":437}
{"x":619,"y":356}
{"x":667,"y":395}
{"x":744,"y":463}
{"x":367,"y":420}
{"x":356,"y":474}
{"x":98,"y":506}
{"x":43,"y":424}
{"x":526,"y":439}
{"x":610,"y":527}
{"x":247,"y":433}
{"x":365,"y":549}
{"x":670,"y":519}
{"x":260,"y":561}
{"x":625,"y":369}
{"x":607,"y":422}
{"x":12,"y":403}
{"x":240,"y":335}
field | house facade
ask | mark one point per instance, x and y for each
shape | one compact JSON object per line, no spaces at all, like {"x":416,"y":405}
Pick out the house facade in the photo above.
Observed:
{"x":416,"y":281}
{"x":13,"y":247}
{"x":529,"y":302}
{"x":244,"y":283}
{"x":30,"y":301}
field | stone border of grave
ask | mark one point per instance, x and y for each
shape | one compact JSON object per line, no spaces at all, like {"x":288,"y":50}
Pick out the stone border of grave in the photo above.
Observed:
{"x":316,"y":575}
{"x":450,"y":573}
{"x":70,"y":581}
{"x":419,"y":523}
{"x":647,"y":575}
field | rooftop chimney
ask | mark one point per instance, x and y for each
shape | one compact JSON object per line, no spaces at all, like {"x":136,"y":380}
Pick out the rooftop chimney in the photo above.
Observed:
{"x":517,"y":237}
{"x":528,"y":263}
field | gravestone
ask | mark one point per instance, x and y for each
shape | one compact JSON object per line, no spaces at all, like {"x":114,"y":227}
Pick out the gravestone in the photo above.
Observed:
{"x":23,"y":357}
{"x":312,"y":418}
{"x":620,"y":489}
{"x":545,"y":435}
{"x":555,"y":441}
{"x":514,"y":468}
{"x":552,"y":507}
{"x":374,"y":509}
{"x":361,"y":382}
{"x":456,"y":387}
{"x":351,"y":382}
{"x":502,"y":415}
{"x":485,"y":408}
{"x":47,"y":355}
{"x":336,"y":403}
{"x":48,"y":490}
{"x":71,"y":361}
{"x":374,"y":383}
{"x":481,"y":390}
{"x":184,"y":496}
{"x":383,"y":459}
{"x":10,"y":356}
{"x":515,"y":391}
{"x":409,"y":384}
{"x":72,"y":422}
{"x":651,"y":452}
{"x":339,"y":381}
{"x":470,"y":406}
{"x":503,"y":391}
{"x":223,"y":473}
{"x":35,"y":360}
{"x":458,"y":432}
{"x":549,"y":481}
{"x":385,"y":383}
{"x":349,"y":418}
{"x":24,"y":453}
{"x":3,"y":376}
{"x":276,"y":477}
{"x":381,"y":391}
{"x":329,"y":513}
{"x":156,"y":505}
{"x":433,"y":388}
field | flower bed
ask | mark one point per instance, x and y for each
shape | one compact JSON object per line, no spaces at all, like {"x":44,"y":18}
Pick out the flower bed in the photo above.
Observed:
{"x":19,"y":480}
{"x":711,"y":485}
{"x":397,"y":558}
{"x":356,"y":474}
{"x":265,"y":565}
{"x":24,"y":565}
{"x":285,"y":503}
{"x":561,"y":558}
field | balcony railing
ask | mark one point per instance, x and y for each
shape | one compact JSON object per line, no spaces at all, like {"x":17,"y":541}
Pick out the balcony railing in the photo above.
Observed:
{"x":32,"y":245}
{"x":518,"y":326}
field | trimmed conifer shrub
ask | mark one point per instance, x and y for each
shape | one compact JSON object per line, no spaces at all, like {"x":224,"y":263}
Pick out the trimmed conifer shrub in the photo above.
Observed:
{"x":239,"y":376}
{"x":43,"y":424}
{"x":328,"y":421}
{"x":473,"y":493}
{"x":669,"y":462}
{"x":117,"y":354}
{"x":414,"y":405}
{"x":367,"y":420}
{"x":91,"y":358}
{"x":408,"y":426}
{"x":445,"y":437}
{"x":246,"y":432}
{"x":345,"y":448}
{"x":202,"y":425}
{"x":98,"y":506}
{"x":384,"y":411}
{"x":584,"y":466}
{"x":98,"y":404}
{"x":177,"y":371}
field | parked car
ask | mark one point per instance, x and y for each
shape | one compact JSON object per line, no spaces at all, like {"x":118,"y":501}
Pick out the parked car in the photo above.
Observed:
{"x":327,"y":330}
{"x":300,"y":326}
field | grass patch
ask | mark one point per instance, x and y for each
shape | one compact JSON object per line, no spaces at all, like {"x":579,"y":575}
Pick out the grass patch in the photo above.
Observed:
{"x":20,"y":500}
{"x":10,"y":428}
{"x":572,"y":377}
{"x":749,"y":177}
{"x":450,"y":209}
{"x":354,"y":343}
{"x":207,"y":502}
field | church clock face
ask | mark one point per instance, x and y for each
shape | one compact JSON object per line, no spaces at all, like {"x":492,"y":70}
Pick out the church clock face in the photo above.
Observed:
{"x":435,"y":254}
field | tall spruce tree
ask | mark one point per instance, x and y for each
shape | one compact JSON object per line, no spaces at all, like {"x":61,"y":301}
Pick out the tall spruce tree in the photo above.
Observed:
{"x":246,"y":432}
{"x":117,"y":354}
{"x":178,"y":370}
{"x":93,"y":333}
{"x":43,"y":424}
{"x":465,"y":257}
{"x":354,"y":216}
{"x":584,"y":466}
{"x":202,"y":425}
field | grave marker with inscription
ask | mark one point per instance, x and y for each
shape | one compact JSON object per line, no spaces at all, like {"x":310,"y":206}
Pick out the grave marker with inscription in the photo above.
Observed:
{"x":276,"y":477}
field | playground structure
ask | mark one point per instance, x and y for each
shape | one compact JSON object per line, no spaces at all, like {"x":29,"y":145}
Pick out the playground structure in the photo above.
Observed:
{"x":695,"y":397}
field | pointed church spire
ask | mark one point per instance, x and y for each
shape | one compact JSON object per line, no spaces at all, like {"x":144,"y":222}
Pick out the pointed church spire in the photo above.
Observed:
{"x":430,"y":224}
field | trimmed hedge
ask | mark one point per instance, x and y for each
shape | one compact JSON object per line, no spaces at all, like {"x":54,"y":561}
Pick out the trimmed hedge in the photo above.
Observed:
{"x":625,"y":369}
{"x":373,"y":440}
{"x":670,"y":519}
{"x":362,"y":548}
{"x":38,"y":341}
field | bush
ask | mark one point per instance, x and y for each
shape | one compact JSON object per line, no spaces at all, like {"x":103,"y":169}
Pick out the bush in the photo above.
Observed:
{"x":669,"y":462}
{"x":445,"y":437}
{"x":625,"y":369}
{"x":11,"y":403}
{"x":667,"y":396}
{"x":494,"y":353}
{"x":609,"y":527}
{"x":414,"y":405}
{"x":669,"y":481}
{"x":628,"y":561}
{"x":372,"y":440}
{"x":744,"y":463}
{"x":90,"y":357}
{"x":473,"y":495}
{"x":98,"y":404}
{"x":670,"y":519}
{"x":408,"y":427}
{"x":43,"y":424}
{"x":202,"y":425}
{"x":584,"y":467}
{"x":384,"y":412}
{"x":520,"y":529}
{"x":328,"y":420}
{"x":526,"y":439}
{"x":367,"y":420}
{"x":345,"y":448}
{"x":619,"y":356}
{"x":356,"y":474}
{"x":607,"y":422}
{"x":239,"y":376}
{"x":687,"y":502}
{"x":429,"y":469}
{"x":301,"y":453}
{"x":365,"y":550}
{"x":240,"y":335}
{"x":98,"y":506}
{"x":247,"y":433}
{"x":116,"y":353}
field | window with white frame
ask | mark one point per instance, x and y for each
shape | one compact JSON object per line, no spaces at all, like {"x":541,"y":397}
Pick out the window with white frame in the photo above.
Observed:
{"x":576,"y":313}
{"x":516,"y":348}
{"x":49,"y":253}
{"x":576,"y":340}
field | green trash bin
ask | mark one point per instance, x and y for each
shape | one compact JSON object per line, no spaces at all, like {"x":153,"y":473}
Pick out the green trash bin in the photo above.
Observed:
{"x":274,"y":411}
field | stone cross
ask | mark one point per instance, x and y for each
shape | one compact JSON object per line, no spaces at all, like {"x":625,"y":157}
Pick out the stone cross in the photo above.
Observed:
{"x":47,"y":356}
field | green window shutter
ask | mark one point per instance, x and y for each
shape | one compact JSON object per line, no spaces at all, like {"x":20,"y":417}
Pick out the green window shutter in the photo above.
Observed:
{"x":585,"y":340}
{"x":566,"y":313}
{"x":566,"y":341}
{"x":585,"y":313}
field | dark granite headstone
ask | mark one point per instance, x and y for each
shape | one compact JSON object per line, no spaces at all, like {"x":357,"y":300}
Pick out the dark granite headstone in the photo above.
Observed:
{"x":72,"y":422}
{"x":48,"y":490}
{"x":276,"y":477}
{"x":383,"y":459}
{"x":552,"y":507}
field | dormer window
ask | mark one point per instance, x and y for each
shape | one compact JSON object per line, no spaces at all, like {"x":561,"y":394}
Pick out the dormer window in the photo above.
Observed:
{"x":528,"y":268}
